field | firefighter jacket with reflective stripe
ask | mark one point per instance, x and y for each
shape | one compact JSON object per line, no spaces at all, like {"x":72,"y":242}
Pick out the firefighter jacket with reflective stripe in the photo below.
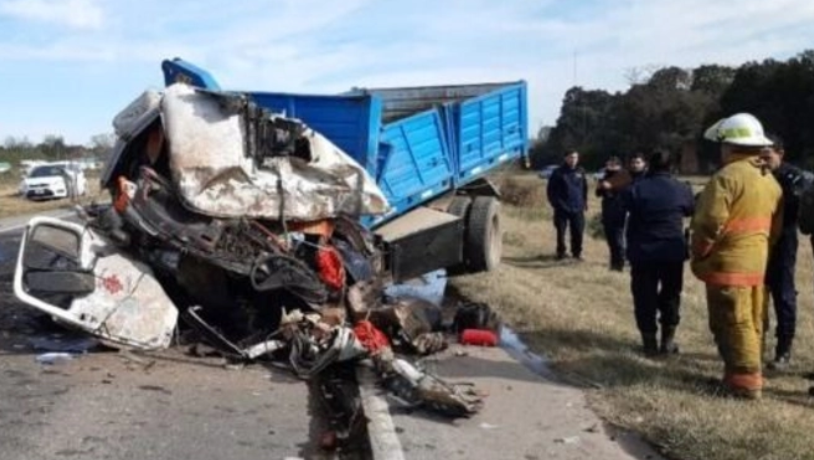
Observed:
{"x":737,"y":216}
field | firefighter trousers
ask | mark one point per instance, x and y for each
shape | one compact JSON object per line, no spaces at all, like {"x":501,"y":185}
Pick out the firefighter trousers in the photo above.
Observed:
{"x":736,"y":318}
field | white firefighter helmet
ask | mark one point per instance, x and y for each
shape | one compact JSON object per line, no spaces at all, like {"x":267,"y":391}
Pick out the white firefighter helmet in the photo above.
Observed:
{"x":739,"y":129}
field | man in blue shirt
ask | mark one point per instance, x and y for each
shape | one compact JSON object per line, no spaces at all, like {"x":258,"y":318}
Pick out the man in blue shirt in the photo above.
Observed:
{"x":656,"y":248}
{"x":567,"y":193}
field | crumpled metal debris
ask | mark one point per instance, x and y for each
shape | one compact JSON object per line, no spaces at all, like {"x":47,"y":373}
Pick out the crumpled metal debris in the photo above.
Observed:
{"x":417,"y":388}
{"x":240,"y":162}
{"x":413,"y":324}
{"x":247,"y":224}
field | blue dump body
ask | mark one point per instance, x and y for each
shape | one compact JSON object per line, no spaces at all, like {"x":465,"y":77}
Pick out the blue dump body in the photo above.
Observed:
{"x":419,"y":143}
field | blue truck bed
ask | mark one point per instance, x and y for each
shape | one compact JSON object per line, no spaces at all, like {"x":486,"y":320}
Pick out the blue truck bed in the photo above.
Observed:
{"x":419,"y":143}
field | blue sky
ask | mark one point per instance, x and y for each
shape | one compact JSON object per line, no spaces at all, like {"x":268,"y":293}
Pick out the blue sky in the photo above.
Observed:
{"x":68,"y":66}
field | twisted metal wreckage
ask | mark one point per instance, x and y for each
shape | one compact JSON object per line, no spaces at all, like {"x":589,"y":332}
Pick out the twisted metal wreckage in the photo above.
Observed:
{"x":248,"y":223}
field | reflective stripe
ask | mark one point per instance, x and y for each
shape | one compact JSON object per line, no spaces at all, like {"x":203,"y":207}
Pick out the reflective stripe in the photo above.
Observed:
{"x":733,"y":279}
{"x":749,"y":224}
{"x":735,"y":133}
{"x":750,"y":381}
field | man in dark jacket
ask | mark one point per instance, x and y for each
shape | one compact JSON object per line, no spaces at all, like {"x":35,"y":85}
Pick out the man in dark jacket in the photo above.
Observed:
{"x":783,"y":256}
{"x":568,"y":194}
{"x":656,"y":249}
{"x":613,"y":213}
{"x":637,"y":166}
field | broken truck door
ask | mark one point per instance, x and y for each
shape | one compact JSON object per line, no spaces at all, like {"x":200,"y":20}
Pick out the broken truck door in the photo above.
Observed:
{"x":76,"y":276}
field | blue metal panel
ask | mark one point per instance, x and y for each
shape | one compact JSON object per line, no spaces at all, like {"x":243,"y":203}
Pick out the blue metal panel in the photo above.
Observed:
{"x":350,"y":122}
{"x":442,"y":136}
{"x":179,"y":71}
{"x":491,"y":129}
{"x":416,"y":165}
{"x":450,"y":116}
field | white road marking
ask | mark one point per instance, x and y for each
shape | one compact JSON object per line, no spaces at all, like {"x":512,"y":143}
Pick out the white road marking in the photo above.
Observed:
{"x":384,"y":442}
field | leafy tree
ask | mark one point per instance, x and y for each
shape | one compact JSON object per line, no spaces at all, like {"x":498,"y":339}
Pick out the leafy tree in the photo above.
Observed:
{"x":671,"y":106}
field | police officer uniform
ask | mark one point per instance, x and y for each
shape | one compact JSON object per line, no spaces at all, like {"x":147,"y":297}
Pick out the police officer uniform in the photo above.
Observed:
{"x":567,"y":192}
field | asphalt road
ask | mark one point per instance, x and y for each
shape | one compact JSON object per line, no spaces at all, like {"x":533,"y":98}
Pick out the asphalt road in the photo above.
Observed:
{"x":169,"y":405}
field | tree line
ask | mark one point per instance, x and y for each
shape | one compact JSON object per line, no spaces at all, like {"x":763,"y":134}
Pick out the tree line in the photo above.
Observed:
{"x":671,"y":106}
{"x":53,"y":148}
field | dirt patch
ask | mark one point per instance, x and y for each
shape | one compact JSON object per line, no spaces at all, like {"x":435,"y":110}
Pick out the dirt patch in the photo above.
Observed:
{"x":580,"y":315}
{"x":522,"y":191}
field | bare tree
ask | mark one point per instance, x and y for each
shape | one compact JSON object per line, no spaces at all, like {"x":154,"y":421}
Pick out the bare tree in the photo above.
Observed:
{"x":102,"y":142}
{"x":642,"y":74}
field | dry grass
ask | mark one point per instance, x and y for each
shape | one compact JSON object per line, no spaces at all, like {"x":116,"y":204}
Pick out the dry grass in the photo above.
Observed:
{"x":12,"y":204}
{"x":581,"y":317}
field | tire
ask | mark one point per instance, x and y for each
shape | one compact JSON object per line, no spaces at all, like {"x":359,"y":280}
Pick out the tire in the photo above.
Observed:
{"x":484,"y":238}
{"x":460,"y":206}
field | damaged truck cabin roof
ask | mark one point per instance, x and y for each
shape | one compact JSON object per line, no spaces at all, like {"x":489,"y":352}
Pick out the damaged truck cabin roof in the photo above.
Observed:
{"x":274,"y":224}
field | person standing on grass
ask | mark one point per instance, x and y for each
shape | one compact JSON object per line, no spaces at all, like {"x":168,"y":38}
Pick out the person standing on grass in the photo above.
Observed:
{"x":567,"y":193}
{"x":737,"y":216}
{"x":637,"y":166}
{"x":656,"y":248}
{"x":610,"y":189}
{"x":783,"y":255}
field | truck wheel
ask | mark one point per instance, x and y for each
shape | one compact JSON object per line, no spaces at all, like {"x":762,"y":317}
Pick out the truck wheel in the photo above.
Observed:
{"x":460,"y":206}
{"x":484,"y":239}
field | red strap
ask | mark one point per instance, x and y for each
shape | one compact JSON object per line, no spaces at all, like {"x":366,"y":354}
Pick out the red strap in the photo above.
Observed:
{"x":372,"y":338}
{"x":331,"y":269}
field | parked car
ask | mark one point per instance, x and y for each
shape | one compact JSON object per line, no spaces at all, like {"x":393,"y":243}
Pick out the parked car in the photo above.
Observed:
{"x":54,"y":180}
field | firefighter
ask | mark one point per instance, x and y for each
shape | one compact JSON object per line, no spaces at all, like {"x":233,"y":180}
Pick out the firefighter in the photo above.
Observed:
{"x":737,"y":215}
{"x":656,"y":205}
{"x":567,"y":193}
{"x":783,"y":255}
{"x":613,"y":212}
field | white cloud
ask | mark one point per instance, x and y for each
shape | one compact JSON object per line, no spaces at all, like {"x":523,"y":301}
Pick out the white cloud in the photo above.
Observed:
{"x":318,"y":46}
{"x":77,"y":14}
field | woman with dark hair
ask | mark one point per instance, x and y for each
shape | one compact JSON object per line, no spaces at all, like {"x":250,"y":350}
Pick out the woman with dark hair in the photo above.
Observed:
{"x":656,"y":249}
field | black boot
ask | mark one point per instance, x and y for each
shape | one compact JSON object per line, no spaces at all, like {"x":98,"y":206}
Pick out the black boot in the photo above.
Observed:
{"x":782,"y":354}
{"x":650,"y":344}
{"x":668,"y":345}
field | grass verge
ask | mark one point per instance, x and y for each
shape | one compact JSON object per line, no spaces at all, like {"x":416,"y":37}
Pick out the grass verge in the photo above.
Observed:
{"x":581,"y":317}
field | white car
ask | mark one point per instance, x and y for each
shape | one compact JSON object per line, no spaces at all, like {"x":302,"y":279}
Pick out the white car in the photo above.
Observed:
{"x":54,"y":180}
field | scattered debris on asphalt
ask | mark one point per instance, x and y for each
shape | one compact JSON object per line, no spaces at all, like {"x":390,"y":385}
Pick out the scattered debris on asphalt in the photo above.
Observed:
{"x":245,"y":225}
{"x":70,"y":344}
{"x":52,"y":358}
{"x":568,"y":440}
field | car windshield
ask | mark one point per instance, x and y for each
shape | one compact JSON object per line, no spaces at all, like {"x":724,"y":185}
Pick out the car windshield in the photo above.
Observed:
{"x":46,"y":171}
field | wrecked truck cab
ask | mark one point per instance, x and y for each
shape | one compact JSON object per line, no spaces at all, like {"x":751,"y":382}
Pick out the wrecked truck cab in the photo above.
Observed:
{"x":79,"y":278}
{"x":427,"y":147}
